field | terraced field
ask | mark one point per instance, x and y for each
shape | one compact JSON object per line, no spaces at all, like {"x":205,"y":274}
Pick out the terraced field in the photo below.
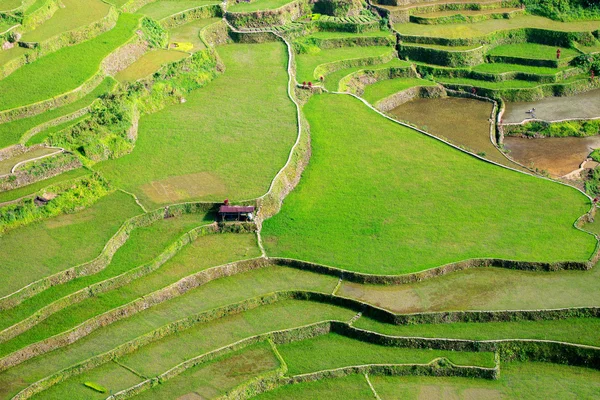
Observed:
{"x":379,"y":241}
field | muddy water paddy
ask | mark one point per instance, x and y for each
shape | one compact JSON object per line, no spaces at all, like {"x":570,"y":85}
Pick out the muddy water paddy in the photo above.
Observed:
{"x":584,"y":105}
{"x":463,"y":122}
{"x":557,"y":156}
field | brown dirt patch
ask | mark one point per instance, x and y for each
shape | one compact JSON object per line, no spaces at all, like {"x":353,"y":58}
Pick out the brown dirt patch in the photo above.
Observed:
{"x":184,"y":187}
{"x":478,"y":393}
{"x":429,"y":392}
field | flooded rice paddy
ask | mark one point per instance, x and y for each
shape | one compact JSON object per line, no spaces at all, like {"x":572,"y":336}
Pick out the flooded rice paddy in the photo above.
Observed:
{"x":557,"y":156}
{"x":463,"y":122}
{"x":584,"y":105}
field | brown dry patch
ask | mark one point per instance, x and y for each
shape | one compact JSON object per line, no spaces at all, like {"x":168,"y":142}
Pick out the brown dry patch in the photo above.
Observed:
{"x":69,"y":219}
{"x":429,"y":392}
{"x":184,"y":187}
{"x":479,"y":393}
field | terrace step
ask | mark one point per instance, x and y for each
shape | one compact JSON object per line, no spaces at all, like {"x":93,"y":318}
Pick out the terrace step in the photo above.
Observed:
{"x":400,"y":11}
{"x":463,"y":16}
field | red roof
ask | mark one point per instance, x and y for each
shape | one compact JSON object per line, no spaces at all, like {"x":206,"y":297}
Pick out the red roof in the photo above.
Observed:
{"x":236,"y":209}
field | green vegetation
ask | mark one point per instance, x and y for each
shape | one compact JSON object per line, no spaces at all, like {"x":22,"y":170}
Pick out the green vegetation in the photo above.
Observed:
{"x":15,"y":194}
{"x":484,"y":289}
{"x":352,"y":387}
{"x":476,"y":29}
{"x":204,"y":253}
{"x":579,"y":128}
{"x":6,"y":5}
{"x":190,"y":32}
{"x":11,"y":132}
{"x":96,"y":387}
{"x":163,"y":8}
{"x":336,"y":351}
{"x":41,"y":137}
{"x":148,"y":64}
{"x":47,"y":76}
{"x":217,"y":377}
{"x":74,"y":14}
{"x":346,"y":210}
{"x":256,"y":5}
{"x":565,"y":10}
{"x":332,"y":80}
{"x":382,"y":89}
{"x":61,"y":242}
{"x":500,"y":68}
{"x":528,"y":381}
{"x":69,"y":198}
{"x":7,"y":165}
{"x":532,"y":51}
{"x":572,"y":330}
{"x":307,"y":62}
{"x":206,"y":149}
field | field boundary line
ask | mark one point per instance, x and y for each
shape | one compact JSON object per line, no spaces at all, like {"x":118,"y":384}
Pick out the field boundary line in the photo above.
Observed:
{"x":128,"y":368}
{"x":371,"y":386}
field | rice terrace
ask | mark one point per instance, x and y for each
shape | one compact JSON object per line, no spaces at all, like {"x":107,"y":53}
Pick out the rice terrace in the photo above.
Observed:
{"x":299,"y":199}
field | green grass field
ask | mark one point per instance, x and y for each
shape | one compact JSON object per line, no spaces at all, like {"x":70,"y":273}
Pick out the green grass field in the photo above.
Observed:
{"x":11,"y":132}
{"x":15,"y":194}
{"x":148,"y":64}
{"x":7,"y":165}
{"x":468,"y":30}
{"x":517,"y":381}
{"x":499,"y":68}
{"x":509,"y":84}
{"x":332,"y":80}
{"x":485,"y":289}
{"x":74,"y":14}
{"x":352,"y":387}
{"x":256,"y":5}
{"x":48,"y":76}
{"x":6,"y":5}
{"x":215,"y":378}
{"x":190,"y":32}
{"x":61,"y":242}
{"x":572,"y":330}
{"x":307,"y":62}
{"x":210,"y":148}
{"x":163,"y":8}
{"x":376,"y":211}
{"x":532,"y":51}
{"x":336,"y":351}
{"x":382,"y":89}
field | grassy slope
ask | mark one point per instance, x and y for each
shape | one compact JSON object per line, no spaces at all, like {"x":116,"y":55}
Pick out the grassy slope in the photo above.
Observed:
{"x":208,"y":380}
{"x":148,"y":64}
{"x":210,"y":251}
{"x":74,"y":14}
{"x":11,"y":132}
{"x":9,"y":4}
{"x":41,"y":137}
{"x":485,"y":289}
{"x":352,"y":387}
{"x":219,"y":139}
{"x":332,"y":80}
{"x":336,"y":351}
{"x":211,"y":295}
{"x":217,"y":377}
{"x":499,"y":68}
{"x":573,"y":330}
{"x":510,"y":84}
{"x":307,"y":62}
{"x":61,"y":242}
{"x":65,"y":69}
{"x":34,"y":187}
{"x":190,"y":32}
{"x":7,"y":165}
{"x":527,"y":381}
{"x":390,"y":210}
{"x":532,"y":51}
{"x":256,"y":5}
{"x":382,"y":89}
{"x":162,"y":9}
{"x":493,"y":25}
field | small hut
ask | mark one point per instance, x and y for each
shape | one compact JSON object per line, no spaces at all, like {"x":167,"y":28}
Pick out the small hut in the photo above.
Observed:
{"x":236,"y":213}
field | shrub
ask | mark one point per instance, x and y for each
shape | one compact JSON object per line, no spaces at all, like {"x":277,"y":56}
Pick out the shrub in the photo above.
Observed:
{"x":595,"y":155}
